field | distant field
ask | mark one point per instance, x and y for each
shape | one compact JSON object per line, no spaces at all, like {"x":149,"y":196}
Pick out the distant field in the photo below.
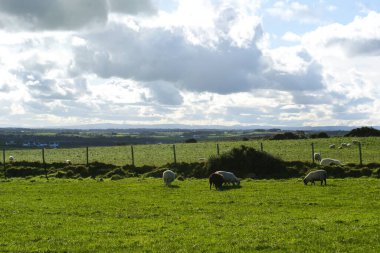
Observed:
{"x":160,"y":154}
{"x":141,"y":215}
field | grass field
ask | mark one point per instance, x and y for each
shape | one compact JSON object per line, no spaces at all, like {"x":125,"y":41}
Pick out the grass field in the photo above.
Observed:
{"x":160,"y":154}
{"x":141,"y":215}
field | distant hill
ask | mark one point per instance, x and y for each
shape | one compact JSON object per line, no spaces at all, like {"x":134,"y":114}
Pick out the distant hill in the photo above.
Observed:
{"x":217,"y":127}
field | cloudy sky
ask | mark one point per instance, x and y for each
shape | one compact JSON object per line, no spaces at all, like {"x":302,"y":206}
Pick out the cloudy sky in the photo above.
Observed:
{"x":195,"y":62}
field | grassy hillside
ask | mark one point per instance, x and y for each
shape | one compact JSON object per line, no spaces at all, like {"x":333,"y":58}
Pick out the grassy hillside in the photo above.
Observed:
{"x":141,"y":215}
{"x":160,"y":154}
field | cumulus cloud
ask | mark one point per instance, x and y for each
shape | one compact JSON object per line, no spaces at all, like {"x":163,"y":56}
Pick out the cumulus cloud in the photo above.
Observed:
{"x":293,"y":10}
{"x":65,"y":14}
{"x":174,"y":68}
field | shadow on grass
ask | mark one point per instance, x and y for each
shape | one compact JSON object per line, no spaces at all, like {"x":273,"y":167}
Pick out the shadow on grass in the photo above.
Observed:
{"x":230,"y":187}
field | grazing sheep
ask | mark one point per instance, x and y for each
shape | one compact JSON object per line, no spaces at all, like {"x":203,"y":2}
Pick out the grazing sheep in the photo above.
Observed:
{"x":332,"y":146}
{"x":229,"y":177}
{"x":344,"y":145}
{"x":348,"y":145}
{"x":11,"y":159}
{"x":329,"y":161}
{"x":217,"y":180}
{"x":317,"y":157}
{"x":355,"y":142}
{"x":168,"y":176}
{"x":68,"y":162}
{"x":318,"y":175}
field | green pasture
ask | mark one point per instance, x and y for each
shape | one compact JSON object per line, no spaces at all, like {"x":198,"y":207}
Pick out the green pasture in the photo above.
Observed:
{"x":142,"y":215}
{"x":160,"y":154}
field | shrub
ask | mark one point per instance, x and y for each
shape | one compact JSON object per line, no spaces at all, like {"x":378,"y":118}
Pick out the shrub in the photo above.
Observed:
{"x":60,"y":174}
{"x":285,"y":136}
{"x":120,"y":172}
{"x":244,"y":160}
{"x":191,"y":140}
{"x":373,"y":165}
{"x":366,"y":171}
{"x":23,"y":172}
{"x":335,"y":171}
{"x":138,"y":170}
{"x":78,"y":169}
{"x":354,"y":173}
{"x":97,"y":168}
{"x":320,"y":135}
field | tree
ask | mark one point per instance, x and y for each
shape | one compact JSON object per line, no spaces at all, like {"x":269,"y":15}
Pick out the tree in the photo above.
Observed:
{"x":191,"y":140}
{"x":363,"y":132}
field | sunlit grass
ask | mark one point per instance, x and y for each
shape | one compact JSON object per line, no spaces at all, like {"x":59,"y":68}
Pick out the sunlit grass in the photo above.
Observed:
{"x":141,"y":215}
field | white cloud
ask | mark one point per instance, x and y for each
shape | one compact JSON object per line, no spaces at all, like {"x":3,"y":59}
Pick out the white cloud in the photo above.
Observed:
{"x":205,"y":62}
{"x":293,"y":10}
{"x":65,"y":14}
{"x":291,"y":37}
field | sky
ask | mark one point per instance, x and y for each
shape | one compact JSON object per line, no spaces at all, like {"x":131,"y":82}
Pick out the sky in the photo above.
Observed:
{"x":210,"y":62}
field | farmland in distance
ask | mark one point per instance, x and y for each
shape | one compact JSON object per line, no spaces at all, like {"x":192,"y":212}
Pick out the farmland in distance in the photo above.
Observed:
{"x":161,"y":154}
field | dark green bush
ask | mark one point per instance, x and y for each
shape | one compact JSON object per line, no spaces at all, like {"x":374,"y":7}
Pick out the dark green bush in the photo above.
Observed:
{"x":335,"y":171}
{"x":138,"y":170}
{"x":319,"y":135}
{"x":354,"y":173}
{"x":23,"y":172}
{"x":191,"y":140}
{"x":120,"y":172}
{"x":60,"y":174}
{"x":81,"y":170}
{"x":373,"y":165}
{"x":366,"y":171}
{"x":97,"y":168}
{"x":285,"y":136}
{"x":244,"y":160}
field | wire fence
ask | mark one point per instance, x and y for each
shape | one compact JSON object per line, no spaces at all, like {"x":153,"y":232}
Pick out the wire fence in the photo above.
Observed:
{"x":364,"y":152}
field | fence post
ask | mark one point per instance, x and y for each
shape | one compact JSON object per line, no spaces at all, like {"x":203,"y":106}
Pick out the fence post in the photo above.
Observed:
{"x":175,"y":156}
{"x":4,"y":162}
{"x":87,"y":156}
{"x":44,"y":163}
{"x":217,"y":149}
{"x":261,"y":147}
{"x":312,"y":152}
{"x":360,"y":154}
{"x":133,"y":156}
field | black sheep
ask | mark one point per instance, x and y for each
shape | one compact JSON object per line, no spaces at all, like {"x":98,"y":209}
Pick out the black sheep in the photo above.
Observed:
{"x":217,"y":180}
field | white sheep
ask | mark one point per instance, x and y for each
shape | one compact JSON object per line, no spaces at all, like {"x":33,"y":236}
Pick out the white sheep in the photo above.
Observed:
{"x":332,"y":146}
{"x":229,"y":177}
{"x":68,"y":162}
{"x":317,"y":175}
{"x":317,"y":157}
{"x":11,"y":158}
{"x":168,"y":176}
{"x":329,"y":161}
